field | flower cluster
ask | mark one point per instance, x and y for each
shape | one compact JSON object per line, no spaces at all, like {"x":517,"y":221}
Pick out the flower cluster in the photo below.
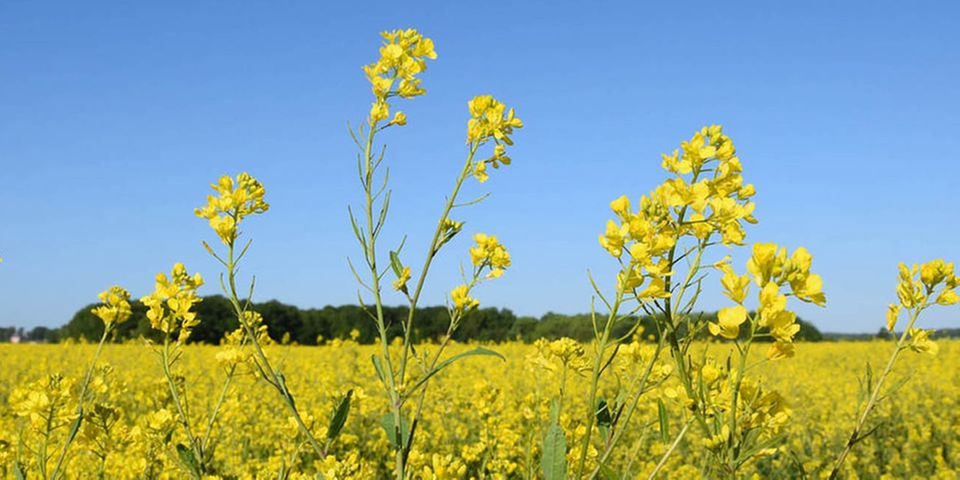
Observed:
{"x":169,"y":307}
{"x":462,"y":301}
{"x":705,"y":196}
{"x":403,"y":56}
{"x":116,"y":306}
{"x":44,"y":403}
{"x":772,"y":270}
{"x":490,"y":119}
{"x":234,"y":201}
{"x":920,"y":287}
{"x":489,"y":252}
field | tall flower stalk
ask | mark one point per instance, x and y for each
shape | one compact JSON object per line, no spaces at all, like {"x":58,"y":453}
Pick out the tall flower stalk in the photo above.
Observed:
{"x":236,"y":199}
{"x":403,"y":57}
{"x":920,"y":287}
{"x":114,"y":310}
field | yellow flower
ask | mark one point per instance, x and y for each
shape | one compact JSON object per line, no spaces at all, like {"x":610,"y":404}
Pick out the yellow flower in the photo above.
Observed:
{"x":480,"y":172}
{"x":489,"y":253}
{"x":234,"y":202}
{"x":920,"y":341}
{"x":400,"y":284}
{"x":893,"y":310}
{"x":735,"y":287}
{"x":490,"y":119}
{"x":779,"y":350}
{"x":403,"y":56}
{"x":763,"y":263}
{"x":379,"y":111}
{"x":116,"y":306}
{"x":169,"y":307}
{"x":614,"y":238}
{"x":934,"y":272}
{"x":728,"y":322}
{"x":621,"y":206}
{"x":399,"y":119}
{"x":947,"y":297}
{"x":462,"y":300}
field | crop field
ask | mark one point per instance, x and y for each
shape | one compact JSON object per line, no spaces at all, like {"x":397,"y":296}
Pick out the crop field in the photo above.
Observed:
{"x":485,"y":424}
{"x":656,"y":384}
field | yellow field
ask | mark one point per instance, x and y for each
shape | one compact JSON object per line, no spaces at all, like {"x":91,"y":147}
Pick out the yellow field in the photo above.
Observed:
{"x":484,"y":418}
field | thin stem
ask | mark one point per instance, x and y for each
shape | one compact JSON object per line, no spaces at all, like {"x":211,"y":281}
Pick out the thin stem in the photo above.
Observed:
{"x":175,"y":395}
{"x":371,"y":257}
{"x":431,"y":253}
{"x":673,"y":446}
{"x":276,"y":379}
{"x":634,"y":402}
{"x":83,"y":394}
{"x":595,"y":380}
{"x":874,"y":396}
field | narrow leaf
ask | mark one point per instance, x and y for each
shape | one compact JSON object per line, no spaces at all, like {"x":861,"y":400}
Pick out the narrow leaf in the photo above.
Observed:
{"x":664,"y":421}
{"x":339,"y":417}
{"x":188,"y":459}
{"x":446,"y":363}
{"x":554,"y":458}
{"x":390,"y":426}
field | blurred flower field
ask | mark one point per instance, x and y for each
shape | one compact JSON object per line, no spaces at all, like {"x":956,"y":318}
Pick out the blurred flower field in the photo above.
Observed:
{"x":487,"y":421}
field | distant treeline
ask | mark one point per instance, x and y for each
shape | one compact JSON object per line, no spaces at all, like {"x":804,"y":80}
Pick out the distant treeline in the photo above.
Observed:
{"x":310,"y":326}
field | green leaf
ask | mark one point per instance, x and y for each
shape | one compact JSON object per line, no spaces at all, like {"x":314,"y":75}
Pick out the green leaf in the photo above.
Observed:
{"x":75,"y":428}
{"x":379,"y":368}
{"x":339,"y":417}
{"x":395,"y":263}
{"x":664,"y":421}
{"x":554,"y":411}
{"x":554,"y":457}
{"x":188,"y":459}
{"x":390,"y":426}
{"x":18,"y":472}
{"x":603,"y":413}
{"x":604,"y":418}
{"x":446,"y":363}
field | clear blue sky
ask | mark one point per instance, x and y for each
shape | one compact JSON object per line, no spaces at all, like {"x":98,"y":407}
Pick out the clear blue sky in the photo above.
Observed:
{"x":114,"y":118}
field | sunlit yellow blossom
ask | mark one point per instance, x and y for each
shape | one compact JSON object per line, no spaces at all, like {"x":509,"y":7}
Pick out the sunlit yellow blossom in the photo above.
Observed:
{"x":489,"y":252}
{"x":490,"y":119}
{"x":399,"y":119}
{"x":893,"y":310}
{"x":728,"y":322}
{"x":920,"y":341}
{"x":169,"y":307}
{"x":234,"y":201}
{"x":401,"y":282}
{"x":614,"y":238}
{"x":462,"y":300}
{"x":116,"y":306}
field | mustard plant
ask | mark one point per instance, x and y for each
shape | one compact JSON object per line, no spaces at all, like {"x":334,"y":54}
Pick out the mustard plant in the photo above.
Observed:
{"x":661,"y":250}
{"x":395,"y":74}
{"x":45,"y":403}
{"x":237,"y":199}
{"x":919,"y":288}
{"x":170,"y":309}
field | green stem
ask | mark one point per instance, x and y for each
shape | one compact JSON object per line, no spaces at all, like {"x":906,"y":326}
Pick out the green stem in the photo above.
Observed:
{"x":634,"y":402}
{"x":874,"y":395}
{"x":431,"y":253}
{"x":371,"y":254}
{"x":595,"y":381}
{"x":175,"y":395}
{"x":673,"y":446}
{"x":278,"y":382}
{"x":83,"y":394}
